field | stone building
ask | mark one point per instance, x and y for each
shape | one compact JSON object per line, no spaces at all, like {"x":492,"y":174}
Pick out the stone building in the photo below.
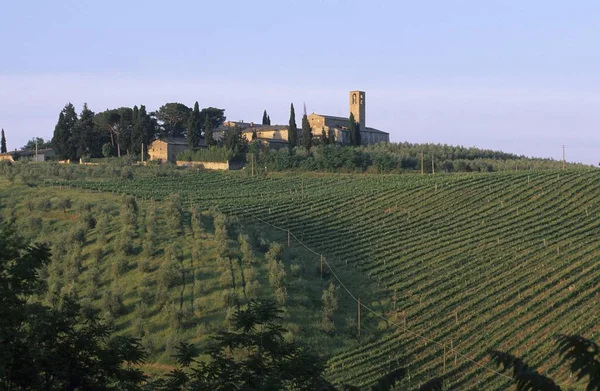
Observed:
{"x":42,"y":155}
{"x":339,"y":125}
{"x":276,"y":136}
{"x":166,"y":150}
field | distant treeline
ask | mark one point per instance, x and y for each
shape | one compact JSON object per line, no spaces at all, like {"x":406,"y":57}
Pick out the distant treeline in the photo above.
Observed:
{"x":122,"y":131}
{"x":399,"y":157}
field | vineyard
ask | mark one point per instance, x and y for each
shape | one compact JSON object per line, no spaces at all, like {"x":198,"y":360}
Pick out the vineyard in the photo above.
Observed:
{"x":474,"y":262}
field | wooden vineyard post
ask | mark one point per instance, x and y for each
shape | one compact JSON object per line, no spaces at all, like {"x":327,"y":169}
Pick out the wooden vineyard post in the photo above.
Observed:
{"x":452,"y":348}
{"x":444,"y":358}
{"x":359,"y":316}
{"x":288,"y":238}
{"x":321,"y":266}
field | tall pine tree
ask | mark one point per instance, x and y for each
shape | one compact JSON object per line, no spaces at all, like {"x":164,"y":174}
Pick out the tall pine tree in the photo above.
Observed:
{"x":292,"y":130}
{"x":84,"y":134}
{"x":3,"y":143}
{"x":306,"y":132}
{"x":208,"y":133}
{"x":265,"y":120}
{"x":148,"y":128}
{"x":137,"y":133}
{"x":63,"y":140}
{"x":194,"y":129}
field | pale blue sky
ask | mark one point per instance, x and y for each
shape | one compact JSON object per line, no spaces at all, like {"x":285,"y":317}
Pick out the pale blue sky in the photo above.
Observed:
{"x":520,"y":76}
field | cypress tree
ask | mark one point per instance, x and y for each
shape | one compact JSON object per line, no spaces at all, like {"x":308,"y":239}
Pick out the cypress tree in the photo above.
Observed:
{"x":292,"y":130}
{"x":324,"y":139}
{"x":357,"y":134}
{"x":265,"y":120}
{"x":147,"y":126}
{"x":330,"y":136}
{"x":137,"y":133}
{"x":306,"y":133}
{"x":193,"y":129}
{"x":3,"y":143}
{"x":208,"y":133}
{"x":352,"y":130}
{"x":268,"y":120}
{"x":64,"y":141}
{"x":83,"y":134}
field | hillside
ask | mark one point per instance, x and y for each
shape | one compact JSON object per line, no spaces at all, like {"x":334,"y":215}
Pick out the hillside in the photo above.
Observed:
{"x":475,"y":261}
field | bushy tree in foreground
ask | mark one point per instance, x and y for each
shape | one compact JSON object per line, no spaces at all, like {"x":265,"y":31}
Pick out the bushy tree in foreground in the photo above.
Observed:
{"x":254,"y":356}
{"x":58,"y":348}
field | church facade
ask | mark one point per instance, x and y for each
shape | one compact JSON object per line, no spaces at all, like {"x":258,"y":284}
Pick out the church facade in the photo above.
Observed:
{"x":277,"y":135}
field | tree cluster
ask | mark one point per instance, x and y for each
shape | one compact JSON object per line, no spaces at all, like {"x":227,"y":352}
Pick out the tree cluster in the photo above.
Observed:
{"x":116,"y":132}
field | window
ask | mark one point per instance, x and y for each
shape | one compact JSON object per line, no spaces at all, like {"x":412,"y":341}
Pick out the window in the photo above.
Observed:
{"x":354,"y":98}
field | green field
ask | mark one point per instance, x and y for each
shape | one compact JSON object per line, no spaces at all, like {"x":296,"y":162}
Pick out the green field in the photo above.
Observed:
{"x":500,"y":261}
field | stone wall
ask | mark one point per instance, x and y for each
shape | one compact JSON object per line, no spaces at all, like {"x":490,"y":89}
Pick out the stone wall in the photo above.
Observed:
{"x":224,"y":166}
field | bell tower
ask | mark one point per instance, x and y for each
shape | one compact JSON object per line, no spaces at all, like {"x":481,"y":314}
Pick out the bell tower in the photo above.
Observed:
{"x":358,"y":102}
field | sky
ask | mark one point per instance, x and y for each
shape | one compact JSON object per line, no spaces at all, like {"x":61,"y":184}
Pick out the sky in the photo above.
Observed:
{"x":518,"y":76}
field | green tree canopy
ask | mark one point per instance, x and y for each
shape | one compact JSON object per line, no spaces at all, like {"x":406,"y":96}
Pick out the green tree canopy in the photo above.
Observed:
{"x":173,"y":118}
{"x":62,"y":141}
{"x":41,"y":144}
{"x":214,"y":116}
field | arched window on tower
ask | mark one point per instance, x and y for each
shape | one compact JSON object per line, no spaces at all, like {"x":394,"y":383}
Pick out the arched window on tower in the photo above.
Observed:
{"x":354,"y":98}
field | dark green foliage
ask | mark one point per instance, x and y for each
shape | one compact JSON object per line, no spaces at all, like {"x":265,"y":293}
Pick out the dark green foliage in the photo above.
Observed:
{"x":194,"y":127}
{"x":3,"y":143}
{"x":54,"y":348}
{"x":330,"y":136}
{"x":271,"y":362}
{"x":265,"y":120}
{"x":208,"y":133}
{"x":432,"y":385}
{"x":63,"y":139}
{"x":584,"y":357}
{"x":292,"y":130}
{"x":118,"y":125}
{"x":268,"y":120}
{"x":41,"y":144}
{"x":147,"y":126}
{"x":353,"y":131}
{"x":234,"y":141}
{"x":323,"y":138}
{"x":306,"y":133}
{"x":526,"y":377}
{"x":86,"y":136}
{"x":173,"y":118}
{"x":212,"y":117}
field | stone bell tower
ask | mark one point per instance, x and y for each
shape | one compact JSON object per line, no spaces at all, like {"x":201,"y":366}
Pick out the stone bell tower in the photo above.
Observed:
{"x":358,"y":104}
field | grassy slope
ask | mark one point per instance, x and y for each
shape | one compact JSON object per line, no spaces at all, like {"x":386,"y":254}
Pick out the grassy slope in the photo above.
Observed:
{"x":487,"y":261}
{"x":155,"y":325}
